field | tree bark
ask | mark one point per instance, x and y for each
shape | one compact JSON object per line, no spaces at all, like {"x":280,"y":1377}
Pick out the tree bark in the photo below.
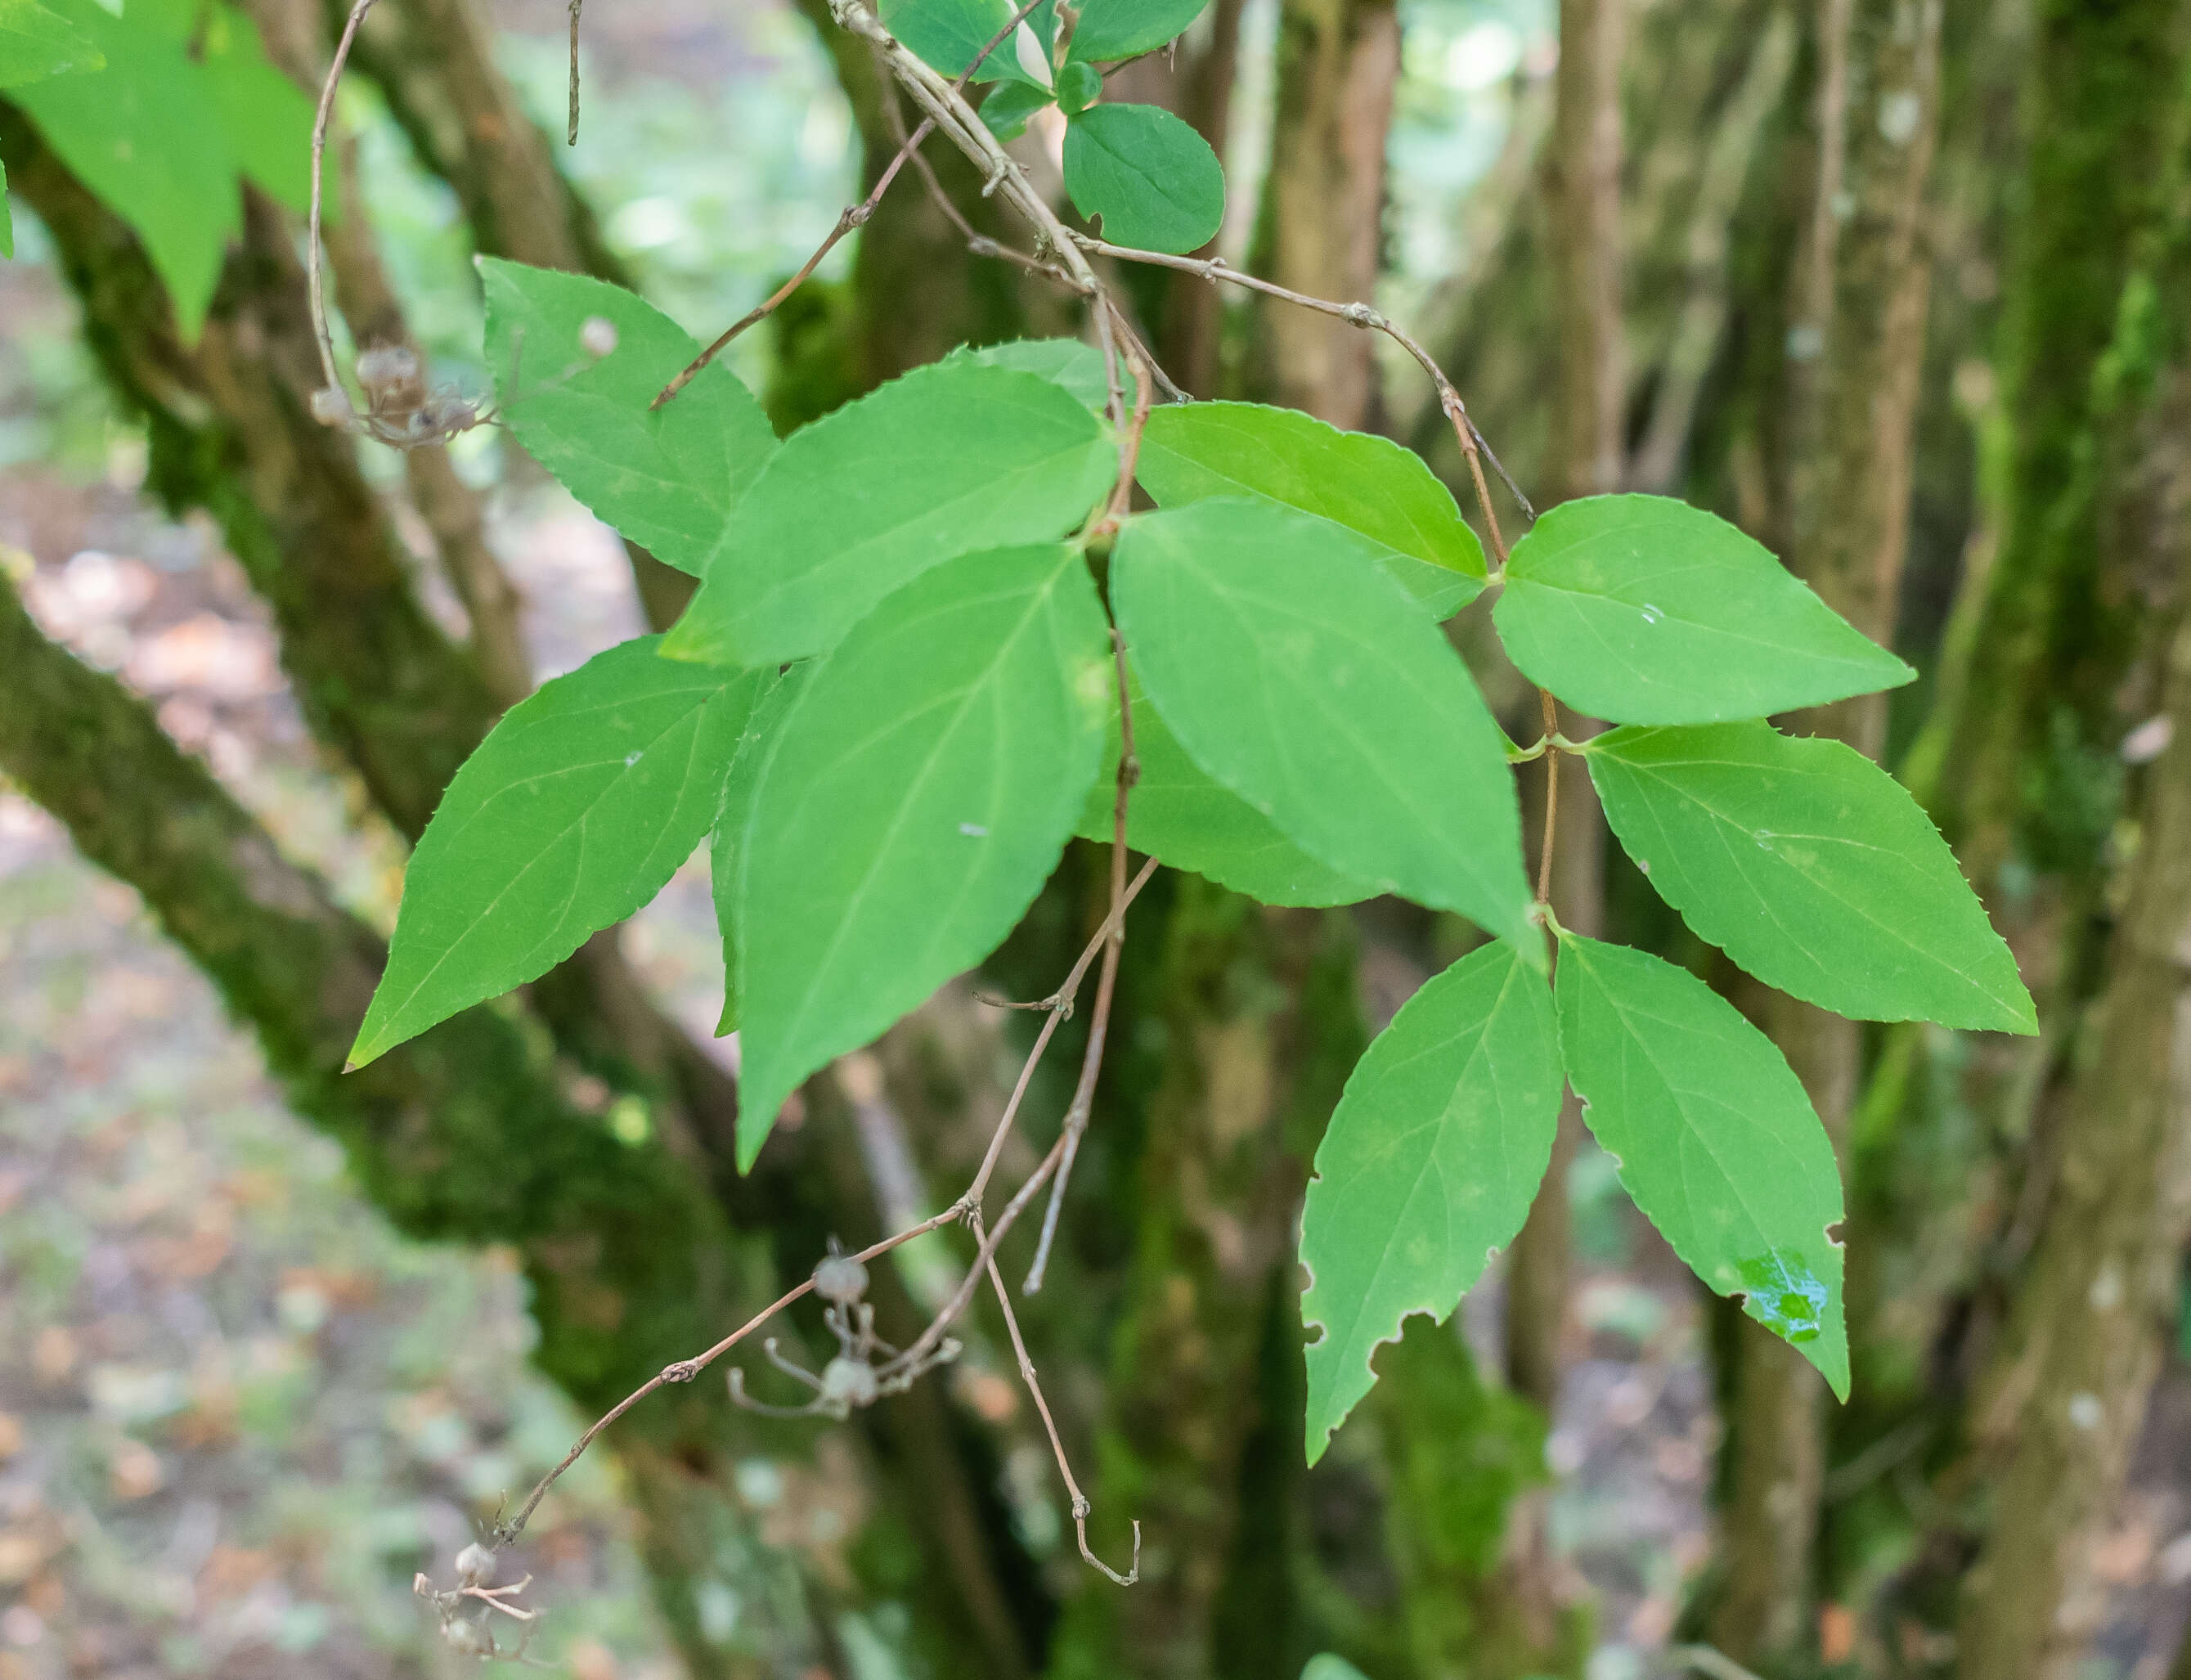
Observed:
{"x":1583,"y":176}
{"x":230,"y":432}
{"x":1191,"y":340}
{"x":1688,"y":101}
{"x":1693,"y":345}
{"x":2062,"y":1403}
{"x":1863,"y":278}
{"x":2105,"y":87}
{"x":1322,"y":223}
{"x":2062,"y":1408}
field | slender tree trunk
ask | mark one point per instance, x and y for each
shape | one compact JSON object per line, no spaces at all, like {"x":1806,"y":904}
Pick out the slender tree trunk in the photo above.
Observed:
{"x":377,"y":679}
{"x":1322,"y":224}
{"x":1856,"y":346}
{"x":2062,"y":1403}
{"x":364,"y":292}
{"x":2062,"y":1408}
{"x":1583,"y":176}
{"x":2105,"y":88}
{"x":1190,"y":336}
{"x":1693,"y":345}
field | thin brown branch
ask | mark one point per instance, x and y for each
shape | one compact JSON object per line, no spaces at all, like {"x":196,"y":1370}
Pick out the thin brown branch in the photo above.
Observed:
{"x":1130,"y":773}
{"x":926,"y":1343}
{"x":1551,"y":793}
{"x":1217,"y":269}
{"x":1059,"y":1004}
{"x":683,"y":1371}
{"x":957,"y":121}
{"x":1080,"y":1506}
{"x":571,"y":134}
{"x":982,"y":246}
{"x":968,"y":1206}
{"x":1136,"y":345}
{"x":312,"y":260}
{"x":854,"y":215}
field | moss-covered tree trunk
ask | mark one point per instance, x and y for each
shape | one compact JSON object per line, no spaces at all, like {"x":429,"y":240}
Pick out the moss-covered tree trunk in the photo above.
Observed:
{"x":470,"y":1133}
{"x":2062,"y":1403}
{"x":2062,"y":1406}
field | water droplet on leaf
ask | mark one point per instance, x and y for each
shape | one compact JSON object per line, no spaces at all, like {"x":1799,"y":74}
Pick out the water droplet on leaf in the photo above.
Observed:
{"x":1782,"y":1294}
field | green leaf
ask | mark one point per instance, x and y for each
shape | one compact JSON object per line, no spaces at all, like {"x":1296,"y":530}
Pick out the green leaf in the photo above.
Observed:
{"x":1119,"y":29}
{"x":726,"y":856}
{"x":38,"y":40}
{"x":571,"y":815}
{"x":1428,"y":1168}
{"x":1005,"y":112}
{"x":1715,"y":1139}
{"x":265,"y":117}
{"x":1154,"y":182}
{"x":918,"y":795}
{"x":951,"y":458}
{"x":1370,"y":485}
{"x":1179,"y":814}
{"x":1079,"y":86}
{"x":1324,"y":1665}
{"x":145,"y":134}
{"x":666,"y":478}
{"x":1076,"y":367}
{"x":947,"y":34}
{"x":1299,"y":676}
{"x":1812,"y":868}
{"x":1640,"y":609}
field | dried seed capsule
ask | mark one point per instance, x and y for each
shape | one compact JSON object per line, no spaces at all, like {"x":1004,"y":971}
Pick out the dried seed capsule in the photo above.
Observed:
{"x":476,"y":1565}
{"x":386,"y":365}
{"x":468,"y":1637}
{"x":846,"y":1381}
{"x":448,"y":415}
{"x":331,"y":406}
{"x":841,"y":1278}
